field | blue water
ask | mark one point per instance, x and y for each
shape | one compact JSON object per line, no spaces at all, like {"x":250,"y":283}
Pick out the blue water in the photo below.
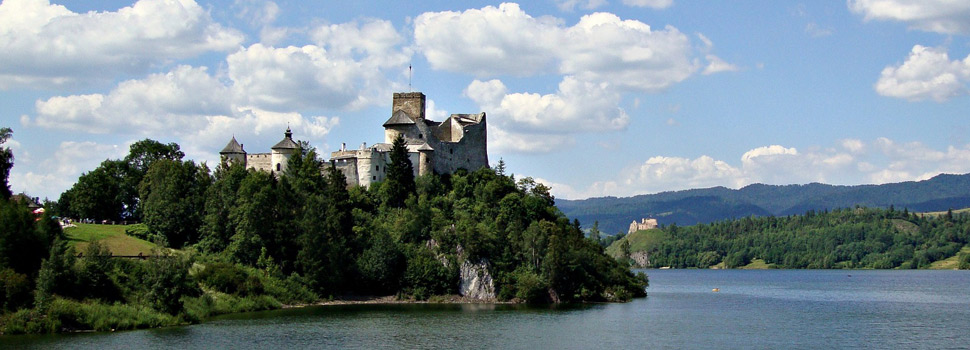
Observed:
{"x":763,"y":309}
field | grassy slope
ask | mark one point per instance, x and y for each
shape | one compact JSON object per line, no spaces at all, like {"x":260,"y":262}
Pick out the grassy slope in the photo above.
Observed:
{"x":639,"y":241}
{"x":112,"y":236}
{"x":938,"y":213}
{"x":951,"y":262}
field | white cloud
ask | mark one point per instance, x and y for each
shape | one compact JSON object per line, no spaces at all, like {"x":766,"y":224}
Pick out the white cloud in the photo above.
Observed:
{"x":939,"y":16}
{"x":186,"y":104}
{"x":59,"y":172}
{"x":928,"y":73}
{"x":346,"y":69}
{"x":45,"y":45}
{"x":489,"y":41}
{"x":524,"y":117}
{"x":657,"y":4}
{"x":879,"y":161}
{"x":601,"y":47}
{"x":174,"y":103}
{"x":716,"y":65}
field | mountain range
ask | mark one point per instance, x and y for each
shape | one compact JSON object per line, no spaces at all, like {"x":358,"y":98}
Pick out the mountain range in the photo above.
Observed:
{"x":706,"y":205}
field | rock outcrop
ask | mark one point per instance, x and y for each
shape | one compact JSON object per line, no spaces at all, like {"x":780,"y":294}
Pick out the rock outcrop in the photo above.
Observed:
{"x":640,"y":259}
{"x":476,"y":281}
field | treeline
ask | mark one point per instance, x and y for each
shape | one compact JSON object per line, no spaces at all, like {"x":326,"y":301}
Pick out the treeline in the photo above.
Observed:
{"x":690,"y":207}
{"x":247,"y":239}
{"x":841,"y":238}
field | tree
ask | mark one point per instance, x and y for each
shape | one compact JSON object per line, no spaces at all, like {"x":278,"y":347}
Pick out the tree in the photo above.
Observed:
{"x":141,"y":156}
{"x":400,"y":174}
{"x":6,"y":163}
{"x":172,"y":195}
{"x":97,"y":194}
{"x":220,"y":198}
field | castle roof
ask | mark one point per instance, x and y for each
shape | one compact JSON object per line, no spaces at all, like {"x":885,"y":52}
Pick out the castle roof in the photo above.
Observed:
{"x":425,"y":147}
{"x":399,"y":118}
{"x":287,"y":142}
{"x":232,"y":147}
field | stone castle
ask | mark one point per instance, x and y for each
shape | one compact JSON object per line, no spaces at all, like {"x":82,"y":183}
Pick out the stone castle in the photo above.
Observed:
{"x":459,"y":142}
{"x":644,"y":224}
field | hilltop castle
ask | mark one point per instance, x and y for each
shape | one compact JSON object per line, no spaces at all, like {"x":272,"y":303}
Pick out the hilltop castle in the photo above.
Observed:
{"x":459,"y":142}
{"x":644,"y":224}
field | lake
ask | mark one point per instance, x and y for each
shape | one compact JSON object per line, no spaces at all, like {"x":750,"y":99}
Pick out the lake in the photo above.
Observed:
{"x":759,"y":309}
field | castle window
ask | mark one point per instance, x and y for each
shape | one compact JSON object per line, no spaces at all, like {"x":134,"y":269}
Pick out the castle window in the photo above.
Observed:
{"x":451,"y":151}
{"x":277,"y":166}
{"x":420,"y":136}
{"x":375,"y":178}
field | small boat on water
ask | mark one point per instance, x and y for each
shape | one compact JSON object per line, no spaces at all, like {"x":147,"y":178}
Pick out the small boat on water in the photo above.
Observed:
{"x":715,"y":290}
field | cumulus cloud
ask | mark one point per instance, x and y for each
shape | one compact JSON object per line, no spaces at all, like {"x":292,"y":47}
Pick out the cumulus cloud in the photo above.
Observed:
{"x":525,"y":117}
{"x":347,"y":68}
{"x":186,"y":103}
{"x":45,"y":45}
{"x":928,"y":73}
{"x":939,"y":16}
{"x":59,"y":172}
{"x":601,"y":47}
{"x":851,"y":161}
{"x":172,"y":102}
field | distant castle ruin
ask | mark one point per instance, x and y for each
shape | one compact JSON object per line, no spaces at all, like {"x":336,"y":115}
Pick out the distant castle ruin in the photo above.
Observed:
{"x":644,"y":224}
{"x":459,"y":142}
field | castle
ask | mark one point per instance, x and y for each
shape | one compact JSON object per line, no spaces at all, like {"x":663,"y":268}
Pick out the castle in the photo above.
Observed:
{"x":644,"y":224}
{"x":459,"y":142}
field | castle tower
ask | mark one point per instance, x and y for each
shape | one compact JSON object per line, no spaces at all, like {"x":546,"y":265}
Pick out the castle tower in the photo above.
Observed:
{"x":407,"y":117}
{"x":282,"y":151}
{"x":234,"y":152}
{"x":411,"y":103}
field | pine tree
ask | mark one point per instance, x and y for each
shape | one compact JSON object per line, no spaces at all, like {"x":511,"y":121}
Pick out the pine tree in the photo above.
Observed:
{"x":400,"y":174}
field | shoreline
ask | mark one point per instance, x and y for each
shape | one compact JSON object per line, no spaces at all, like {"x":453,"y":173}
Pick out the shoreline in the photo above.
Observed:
{"x":393,"y":299}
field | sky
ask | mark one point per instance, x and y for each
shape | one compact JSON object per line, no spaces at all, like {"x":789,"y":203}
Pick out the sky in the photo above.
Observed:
{"x":592,"y":97}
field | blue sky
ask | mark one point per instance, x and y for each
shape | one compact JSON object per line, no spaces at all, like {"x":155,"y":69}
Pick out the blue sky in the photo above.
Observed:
{"x":593,"y":97}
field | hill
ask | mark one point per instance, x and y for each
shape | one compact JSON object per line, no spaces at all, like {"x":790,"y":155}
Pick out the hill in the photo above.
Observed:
{"x":842,"y":238}
{"x":707,"y":205}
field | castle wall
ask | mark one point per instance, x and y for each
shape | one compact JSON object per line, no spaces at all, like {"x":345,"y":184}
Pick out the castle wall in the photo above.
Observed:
{"x":470,"y":152}
{"x":259,"y":161}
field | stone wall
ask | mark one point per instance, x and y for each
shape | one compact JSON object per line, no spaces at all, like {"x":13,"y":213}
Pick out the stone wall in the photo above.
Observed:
{"x":259,"y":161}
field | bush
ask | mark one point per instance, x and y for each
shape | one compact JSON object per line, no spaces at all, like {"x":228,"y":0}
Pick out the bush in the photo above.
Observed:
{"x":230,"y":279}
{"x":426,"y":276}
{"x":530,"y":287}
{"x":68,"y":315}
{"x":15,"y":290}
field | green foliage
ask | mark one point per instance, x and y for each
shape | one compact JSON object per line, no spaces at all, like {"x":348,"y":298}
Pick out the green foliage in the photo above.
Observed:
{"x":425,"y":275}
{"x":15,"y":290}
{"x":69,"y":315}
{"x":229,"y":279}
{"x":842,"y":238}
{"x":56,"y":274}
{"x":168,"y":281}
{"x":172,"y":194}
{"x":400,"y":174}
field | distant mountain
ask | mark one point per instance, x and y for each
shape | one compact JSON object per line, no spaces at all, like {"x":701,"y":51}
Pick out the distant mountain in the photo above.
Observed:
{"x":690,"y":207}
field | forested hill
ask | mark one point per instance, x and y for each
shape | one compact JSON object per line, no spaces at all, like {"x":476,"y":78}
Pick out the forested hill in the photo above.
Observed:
{"x":718,"y":203}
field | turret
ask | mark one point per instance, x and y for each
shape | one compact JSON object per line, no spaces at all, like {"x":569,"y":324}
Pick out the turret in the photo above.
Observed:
{"x":283,"y":150}
{"x":234,"y":152}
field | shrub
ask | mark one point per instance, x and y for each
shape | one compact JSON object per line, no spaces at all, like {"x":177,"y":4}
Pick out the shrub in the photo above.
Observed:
{"x":230,"y":279}
{"x":15,"y":290}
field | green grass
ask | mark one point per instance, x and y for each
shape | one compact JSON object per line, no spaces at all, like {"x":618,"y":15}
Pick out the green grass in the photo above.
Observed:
{"x":938,"y":213}
{"x":950,"y":263}
{"x":757,"y":264}
{"x":112,"y":236}
{"x":639,"y":241}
